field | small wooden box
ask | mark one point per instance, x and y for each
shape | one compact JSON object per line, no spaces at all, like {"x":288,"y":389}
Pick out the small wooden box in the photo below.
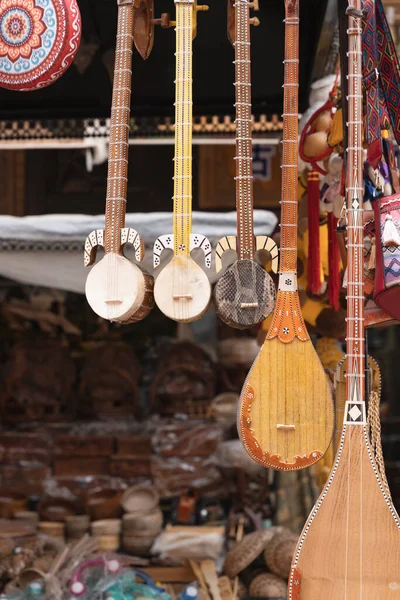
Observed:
{"x":92,"y":445}
{"x":130,"y":465}
{"x":74,"y":466}
{"x":134,"y":445}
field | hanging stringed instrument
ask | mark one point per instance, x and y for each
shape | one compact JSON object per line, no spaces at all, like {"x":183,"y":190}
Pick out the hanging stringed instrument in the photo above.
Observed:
{"x":39,"y":40}
{"x":116,"y":288}
{"x":245,"y":294}
{"x":285,"y":417}
{"x":182,"y":290}
{"x":350,"y":546}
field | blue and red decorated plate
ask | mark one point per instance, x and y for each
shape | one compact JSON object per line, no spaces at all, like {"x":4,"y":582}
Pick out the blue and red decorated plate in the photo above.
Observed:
{"x":38,"y":41}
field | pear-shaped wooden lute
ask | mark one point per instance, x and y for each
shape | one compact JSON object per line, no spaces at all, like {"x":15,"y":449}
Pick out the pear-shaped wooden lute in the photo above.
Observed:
{"x":350,"y":545}
{"x":285,"y":417}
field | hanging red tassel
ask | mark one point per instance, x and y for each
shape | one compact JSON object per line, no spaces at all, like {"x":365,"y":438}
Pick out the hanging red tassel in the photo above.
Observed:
{"x":333,"y":261}
{"x":314,"y":262}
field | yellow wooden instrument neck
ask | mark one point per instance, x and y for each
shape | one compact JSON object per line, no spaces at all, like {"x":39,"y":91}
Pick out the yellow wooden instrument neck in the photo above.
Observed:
{"x":182,"y":221}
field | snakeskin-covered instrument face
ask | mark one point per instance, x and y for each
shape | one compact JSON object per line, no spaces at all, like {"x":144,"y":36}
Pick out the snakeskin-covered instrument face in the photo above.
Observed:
{"x":244,"y":295}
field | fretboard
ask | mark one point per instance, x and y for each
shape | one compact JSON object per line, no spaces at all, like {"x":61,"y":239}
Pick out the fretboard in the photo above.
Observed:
{"x":289,"y":201}
{"x":354,"y":197}
{"x":244,"y":166}
{"x":117,"y":178}
{"x":183,"y":128}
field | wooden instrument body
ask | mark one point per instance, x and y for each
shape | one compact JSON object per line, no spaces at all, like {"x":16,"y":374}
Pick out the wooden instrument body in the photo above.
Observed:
{"x":285,"y":416}
{"x":38,"y":43}
{"x":349,"y":547}
{"x":182,"y":289}
{"x":350,"y":544}
{"x":117,"y":289}
{"x":245,"y":293}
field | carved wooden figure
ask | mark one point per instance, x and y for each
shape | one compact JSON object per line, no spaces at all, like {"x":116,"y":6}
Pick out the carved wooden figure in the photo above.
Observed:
{"x":116,"y":288}
{"x":350,"y":545}
{"x":182,"y":290}
{"x":285,"y":417}
{"x":245,"y":293}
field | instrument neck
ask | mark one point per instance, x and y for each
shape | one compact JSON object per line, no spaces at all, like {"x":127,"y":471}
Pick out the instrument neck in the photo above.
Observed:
{"x":244,"y":152}
{"x":289,"y":197}
{"x":354,"y":196}
{"x":117,"y":178}
{"x":182,"y":225}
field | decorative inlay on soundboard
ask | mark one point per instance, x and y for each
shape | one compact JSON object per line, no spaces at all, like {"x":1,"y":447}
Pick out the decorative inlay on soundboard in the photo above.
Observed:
{"x":166,"y":242}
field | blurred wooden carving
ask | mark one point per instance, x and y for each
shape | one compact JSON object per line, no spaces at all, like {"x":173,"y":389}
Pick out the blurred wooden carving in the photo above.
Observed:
{"x":12,"y":173}
{"x":217,"y":171}
{"x":38,"y":382}
{"x":109,"y":381}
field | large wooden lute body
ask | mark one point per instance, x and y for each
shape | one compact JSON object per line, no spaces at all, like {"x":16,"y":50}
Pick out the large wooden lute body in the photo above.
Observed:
{"x":182,"y":289}
{"x":245,"y":293}
{"x":285,"y":417}
{"x":350,"y":546}
{"x":116,"y":288}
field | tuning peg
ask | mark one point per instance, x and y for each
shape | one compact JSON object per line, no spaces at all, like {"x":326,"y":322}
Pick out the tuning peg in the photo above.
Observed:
{"x":164,"y":20}
{"x":254,"y":5}
{"x":254,"y":21}
{"x":202,"y":7}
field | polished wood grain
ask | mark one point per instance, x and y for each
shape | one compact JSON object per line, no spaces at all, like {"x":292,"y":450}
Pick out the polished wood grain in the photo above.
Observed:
{"x":286,"y":422}
{"x":289,"y":424}
{"x":350,"y":546}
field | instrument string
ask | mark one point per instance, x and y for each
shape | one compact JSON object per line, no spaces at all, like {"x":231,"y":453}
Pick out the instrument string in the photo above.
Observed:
{"x":118,"y":157}
{"x":355,"y":297}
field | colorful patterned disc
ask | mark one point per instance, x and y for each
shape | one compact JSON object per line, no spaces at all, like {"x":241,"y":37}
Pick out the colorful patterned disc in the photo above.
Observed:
{"x":38,"y":41}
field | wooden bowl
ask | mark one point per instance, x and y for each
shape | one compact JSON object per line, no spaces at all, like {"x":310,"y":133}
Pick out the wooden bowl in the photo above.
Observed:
{"x":137,"y":545}
{"x":27,"y":516}
{"x":77,"y":527}
{"x":224,"y":407}
{"x":141,"y":499}
{"x":57,"y":509}
{"x":149,"y":524}
{"x":11,"y":502}
{"x":103,"y":504}
{"x":110,"y":543}
{"x":106,"y":527}
{"x":17,"y":531}
{"x":52,"y":528}
{"x":267,"y":585}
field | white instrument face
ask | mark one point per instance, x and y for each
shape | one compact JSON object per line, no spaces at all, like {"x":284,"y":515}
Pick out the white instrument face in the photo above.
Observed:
{"x":115,"y":288}
{"x":182,"y":290}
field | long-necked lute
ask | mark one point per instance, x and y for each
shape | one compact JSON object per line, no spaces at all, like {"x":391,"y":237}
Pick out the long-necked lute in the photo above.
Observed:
{"x":285,"y":416}
{"x":182,"y":290}
{"x":245,"y":293}
{"x":116,"y":288}
{"x":350,"y":546}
